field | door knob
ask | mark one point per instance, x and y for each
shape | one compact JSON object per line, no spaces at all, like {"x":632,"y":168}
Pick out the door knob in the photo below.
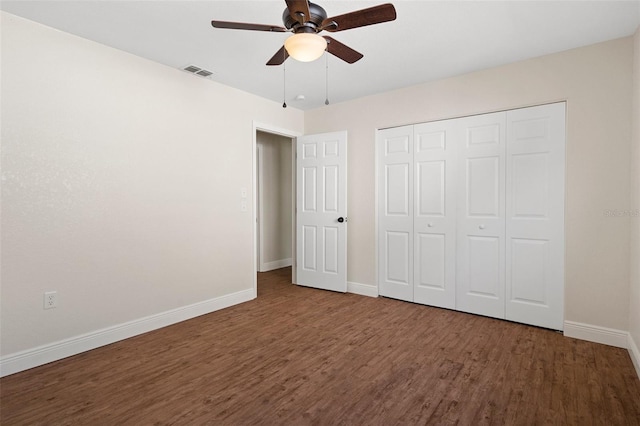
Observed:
{"x":481,"y":226}
{"x":430,"y":225}
{"x":341,"y":219}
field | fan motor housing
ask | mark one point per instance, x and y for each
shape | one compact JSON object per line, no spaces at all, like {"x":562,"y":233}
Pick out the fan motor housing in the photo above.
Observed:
{"x":318,"y":14}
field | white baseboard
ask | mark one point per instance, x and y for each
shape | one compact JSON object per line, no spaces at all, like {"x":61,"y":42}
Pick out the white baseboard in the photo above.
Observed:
{"x":30,"y":358}
{"x":276,"y":264}
{"x":634,"y":353}
{"x":362,"y":289}
{"x":594,"y":333}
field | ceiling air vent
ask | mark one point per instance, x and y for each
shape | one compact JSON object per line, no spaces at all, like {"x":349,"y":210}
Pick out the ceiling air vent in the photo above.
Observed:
{"x":204,"y":73}
{"x":198,"y":71}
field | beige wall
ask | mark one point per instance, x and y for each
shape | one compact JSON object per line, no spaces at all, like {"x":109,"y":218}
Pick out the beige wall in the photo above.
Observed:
{"x":275,"y":183}
{"x":122,"y":178}
{"x":634,"y":291}
{"x":121,"y":185}
{"x":596,"y":83}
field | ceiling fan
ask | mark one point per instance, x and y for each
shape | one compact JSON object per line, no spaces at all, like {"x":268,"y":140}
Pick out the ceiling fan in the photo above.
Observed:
{"x":305,"y":20}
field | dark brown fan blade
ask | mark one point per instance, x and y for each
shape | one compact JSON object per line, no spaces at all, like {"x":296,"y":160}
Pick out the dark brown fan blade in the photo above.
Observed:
{"x":360,"y":18}
{"x":342,"y":51}
{"x":299,"y":10}
{"x":245,"y":26}
{"x":279,"y":58}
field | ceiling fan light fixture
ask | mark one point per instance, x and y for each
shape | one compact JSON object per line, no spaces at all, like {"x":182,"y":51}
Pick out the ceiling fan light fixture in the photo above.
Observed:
{"x":305,"y":47}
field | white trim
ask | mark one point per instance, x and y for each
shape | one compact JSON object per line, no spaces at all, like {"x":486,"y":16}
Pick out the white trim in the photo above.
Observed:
{"x":294,"y":218}
{"x":276,"y":264}
{"x":254,"y":207}
{"x":634,"y":353}
{"x":19,"y":361}
{"x":597,"y":334}
{"x":376,"y":219}
{"x":275,"y":130}
{"x":362,"y":289}
{"x":259,"y":217}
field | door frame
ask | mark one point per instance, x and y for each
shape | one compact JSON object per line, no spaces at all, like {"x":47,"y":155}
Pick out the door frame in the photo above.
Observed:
{"x":259,"y":200}
{"x":292,"y":134}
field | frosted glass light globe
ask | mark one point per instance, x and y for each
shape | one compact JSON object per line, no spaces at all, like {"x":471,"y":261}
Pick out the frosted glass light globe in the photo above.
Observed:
{"x":305,"y":47}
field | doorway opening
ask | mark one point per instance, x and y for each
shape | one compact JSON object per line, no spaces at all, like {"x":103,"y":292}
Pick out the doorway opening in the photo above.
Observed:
{"x":274,"y":200}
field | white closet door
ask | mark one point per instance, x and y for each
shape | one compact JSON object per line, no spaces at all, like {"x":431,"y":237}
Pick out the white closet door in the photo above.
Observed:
{"x":434,"y":214}
{"x":535,"y":215}
{"x":395,"y":212}
{"x":480,"y":273}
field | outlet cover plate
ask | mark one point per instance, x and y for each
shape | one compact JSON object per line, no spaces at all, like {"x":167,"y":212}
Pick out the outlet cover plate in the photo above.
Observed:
{"x":50,"y":299}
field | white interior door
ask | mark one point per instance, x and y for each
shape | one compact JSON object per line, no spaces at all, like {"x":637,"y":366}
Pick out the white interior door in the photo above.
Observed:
{"x":535,"y":215}
{"x":321,"y":211}
{"x":434,"y":224}
{"x":481,"y":215}
{"x":395,"y":212}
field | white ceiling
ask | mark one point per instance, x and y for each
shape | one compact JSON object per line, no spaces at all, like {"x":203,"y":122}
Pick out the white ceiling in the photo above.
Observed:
{"x":429,"y":40}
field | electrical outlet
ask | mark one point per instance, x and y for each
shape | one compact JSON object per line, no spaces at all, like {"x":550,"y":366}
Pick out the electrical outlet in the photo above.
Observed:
{"x":50,"y":299}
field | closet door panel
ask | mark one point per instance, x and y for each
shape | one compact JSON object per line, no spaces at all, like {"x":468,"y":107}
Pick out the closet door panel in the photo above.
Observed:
{"x":435,"y":214}
{"x":431,"y":188}
{"x":431,"y":251}
{"x":483,"y":187}
{"x":484,"y":267}
{"x":395,"y":212}
{"x":480,"y":279}
{"x":535,"y":215}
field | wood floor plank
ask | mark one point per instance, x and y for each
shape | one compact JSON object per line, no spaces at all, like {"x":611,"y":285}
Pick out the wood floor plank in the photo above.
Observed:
{"x":299,"y":356}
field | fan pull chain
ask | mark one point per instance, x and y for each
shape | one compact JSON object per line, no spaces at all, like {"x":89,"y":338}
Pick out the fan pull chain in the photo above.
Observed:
{"x":326,"y":55}
{"x":284,"y":81}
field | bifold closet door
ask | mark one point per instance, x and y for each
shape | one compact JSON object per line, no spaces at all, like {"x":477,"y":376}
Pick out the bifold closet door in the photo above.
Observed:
{"x":395,"y":212}
{"x":535,"y":215}
{"x":480,"y":276}
{"x":471,"y":214}
{"x":434,"y":223}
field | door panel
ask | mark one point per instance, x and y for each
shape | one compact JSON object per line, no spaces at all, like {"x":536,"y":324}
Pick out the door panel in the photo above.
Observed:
{"x":432,"y":252}
{"x":483,"y":187}
{"x":530,"y":185}
{"x":321,"y":200}
{"x":535,"y":216}
{"x":484,"y":266}
{"x":529,"y":262}
{"x":395,"y":212}
{"x":480,"y":279}
{"x":431,"y":183}
{"x":309,"y":244}
{"x":309,"y":183}
{"x":435,"y":214}
{"x":398,"y":261}
{"x":397,"y":187}
{"x":331,"y":189}
{"x":331,"y":240}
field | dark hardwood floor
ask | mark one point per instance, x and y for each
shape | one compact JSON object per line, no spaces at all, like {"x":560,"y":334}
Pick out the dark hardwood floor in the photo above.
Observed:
{"x":299,"y":356}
